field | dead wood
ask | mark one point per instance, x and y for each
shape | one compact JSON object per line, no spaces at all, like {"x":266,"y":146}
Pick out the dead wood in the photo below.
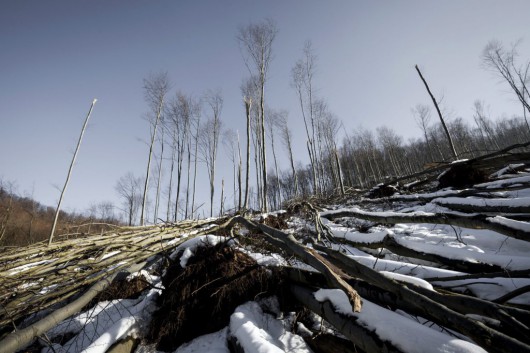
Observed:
{"x":474,"y":221}
{"x":481,"y":160}
{"x":288,"y":243}
{"x":391,"y":244}
{"x":361,"y":336}
{"x":486,"y":337}
{"x":20,"y":338}
{"x":511,"y":320}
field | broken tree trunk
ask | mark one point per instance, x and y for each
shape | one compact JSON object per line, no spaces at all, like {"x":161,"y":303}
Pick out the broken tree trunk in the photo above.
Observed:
{"x":480,"y":333}
{"x":503,"y":225}
{"x":288,"y":243}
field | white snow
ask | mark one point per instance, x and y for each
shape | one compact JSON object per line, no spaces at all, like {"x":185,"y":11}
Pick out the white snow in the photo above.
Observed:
{"x":211,"y":343}
{"x":408,"y":335}
{"x":189,"y":246}
{"x":520,"y":225}
{"x":27,"y":267}
{"x":504,"y":202}
{"x":101,"y":326}
{"x":259,"y":332}
{"x":408,"y":279}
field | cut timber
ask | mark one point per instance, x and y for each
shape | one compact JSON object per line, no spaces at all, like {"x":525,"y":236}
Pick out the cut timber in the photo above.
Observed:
{"x":485,"y":336}
{"x":288,"y":243}
{"x":361,"y":336}
{"x":510,"y":319}
{"x":390,"y":243}
{"x":19,"y":339}
{"x":515,"y":229}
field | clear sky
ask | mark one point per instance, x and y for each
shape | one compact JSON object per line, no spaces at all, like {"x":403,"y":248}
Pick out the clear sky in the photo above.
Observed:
{"x":56,"y":56}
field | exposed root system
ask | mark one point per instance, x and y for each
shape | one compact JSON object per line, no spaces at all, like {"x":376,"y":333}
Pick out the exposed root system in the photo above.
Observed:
{"x":200,"y":298}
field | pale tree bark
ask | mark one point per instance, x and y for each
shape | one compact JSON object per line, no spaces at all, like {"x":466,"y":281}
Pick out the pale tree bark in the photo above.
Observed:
{"x":195,"y":160}
{"x":159,"y":179}
{"x":248,"y":106}
{"x":210,"y":138}
{"x":302,"y":80}
{"x":449,"y":139}
{"x":239,"y":173}
{"x":274,"y":123}
{"x":57,"y":210}
{"x":180,"y":115}
{"x":155,"y":90}
{"x":255,"y":41}
{"x":286,"y":138}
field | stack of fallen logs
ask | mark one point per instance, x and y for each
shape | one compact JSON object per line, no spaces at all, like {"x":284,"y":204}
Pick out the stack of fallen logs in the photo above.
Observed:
{"x":42,"y":285}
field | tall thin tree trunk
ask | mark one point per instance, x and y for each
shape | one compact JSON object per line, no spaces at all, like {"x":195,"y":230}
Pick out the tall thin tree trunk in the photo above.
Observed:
{"x":264,"y":145}
{"x":70,"y":173}
{"x":153,"y":137}
{"x":170,"y":183}
{"x":342,"y":191}
{"x":188,"y":181}
{"x":195,"y":167}
{"x":222,"y":198}
{"x":239,"y":173}
{"x":248,"y":105}
{"x":157,"y":203}
{"x":449,"y":139}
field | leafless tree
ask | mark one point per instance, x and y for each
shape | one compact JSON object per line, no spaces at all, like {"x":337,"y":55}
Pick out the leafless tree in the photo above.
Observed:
{"x":286,"y":137}
{"x":231,"y":144}
{"x":483,"y":124}
{"x":255,"y":42}
{"x":503,"y":62}
{"x":442,"y":121}
{"x":129,"y":188}
{"x":210,"y":138}
{"x":247,"y":89}
{"x":302,"y":80}
{"x":156,"y":88}
{"x":159,"y":179}
{"x":180,"y":115}
{"x":58,"y":209}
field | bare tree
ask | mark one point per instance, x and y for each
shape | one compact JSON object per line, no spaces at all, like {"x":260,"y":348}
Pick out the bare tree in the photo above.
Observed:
{"x":156,"y":88}
{"x":247,"y":88}
{"x":230,"y":142}
{"x":210,"y":138}
{"x":449,"y":139}
{"x":422,"y":115}
{"x":273,"y":124}
{"x":255,"y":42}
{"x":503,"y":62}
{"x":286,"y":136}
{"x":129,"y":188}
{"x":302,"y":80}
{"x":180,"y":115}
{"x":159,"y":179}
{"x":70,"y":172}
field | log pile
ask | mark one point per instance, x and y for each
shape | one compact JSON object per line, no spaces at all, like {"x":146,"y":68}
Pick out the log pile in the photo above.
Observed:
{"x":42,"y":285}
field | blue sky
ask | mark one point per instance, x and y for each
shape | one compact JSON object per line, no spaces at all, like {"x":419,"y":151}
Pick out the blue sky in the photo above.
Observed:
{"x":56,"y":56}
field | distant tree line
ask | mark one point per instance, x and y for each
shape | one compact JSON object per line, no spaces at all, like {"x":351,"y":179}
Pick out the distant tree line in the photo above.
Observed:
{"x":24,"y":221}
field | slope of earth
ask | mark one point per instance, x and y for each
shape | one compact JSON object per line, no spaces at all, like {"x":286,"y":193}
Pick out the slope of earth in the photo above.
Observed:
{"x":439,"y":271}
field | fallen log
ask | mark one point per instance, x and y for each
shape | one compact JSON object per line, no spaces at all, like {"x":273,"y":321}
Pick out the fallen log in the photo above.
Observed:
{"x":510,"y":319}
{"x":515,"y":229}
{"x":288,"y":243}
{"x":361,"y":336}
{"x":486,"y":337}
{"x":20,"y":338}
